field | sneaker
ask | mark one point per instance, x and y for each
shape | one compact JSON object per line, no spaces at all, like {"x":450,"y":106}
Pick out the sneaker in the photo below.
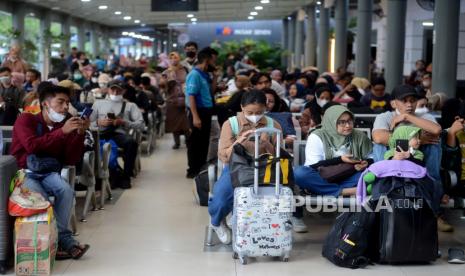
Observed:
{"x":229,"y":221}
{"x":223,"y":233}
{"x":456,"y":256}
{"x":298,"y":225}
{"x":444,"y":226}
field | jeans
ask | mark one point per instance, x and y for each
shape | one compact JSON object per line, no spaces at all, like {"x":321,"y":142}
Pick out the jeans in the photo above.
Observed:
{"x":221,"y":204}
{"x":308,"y":178}
{"x":53,"y":184}
{"x":129,"y":146}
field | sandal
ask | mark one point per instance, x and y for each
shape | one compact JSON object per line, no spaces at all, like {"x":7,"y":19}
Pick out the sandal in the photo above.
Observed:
{"x":456,"y":256}
{"x":78,"y":250}
{"x":62,"y":255}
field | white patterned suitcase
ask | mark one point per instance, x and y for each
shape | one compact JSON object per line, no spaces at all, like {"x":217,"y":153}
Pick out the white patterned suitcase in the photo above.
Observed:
{"x":262,"y":216}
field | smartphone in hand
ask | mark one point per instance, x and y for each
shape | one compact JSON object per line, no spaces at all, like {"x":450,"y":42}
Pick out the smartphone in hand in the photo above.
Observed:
{"x":402,"y":144}
{"x":86,"y":113}
{"x":111,"y":116}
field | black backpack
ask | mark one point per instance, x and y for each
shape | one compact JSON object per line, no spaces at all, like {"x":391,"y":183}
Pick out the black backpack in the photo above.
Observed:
{"x":347,"y":243}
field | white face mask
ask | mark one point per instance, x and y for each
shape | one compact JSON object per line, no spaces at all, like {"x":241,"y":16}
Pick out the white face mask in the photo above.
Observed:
{"x":426,"y":83}
{"x":5,"y":80}
{"x":55,"y":116}
{"x":421,"y":111}
{"x":77,"y":76}
{"x":321,"y":103}
{"x":254,"y":118}
{"x":94,"y":80}
{"x":116,"y":98}
{"x":102,"y":84}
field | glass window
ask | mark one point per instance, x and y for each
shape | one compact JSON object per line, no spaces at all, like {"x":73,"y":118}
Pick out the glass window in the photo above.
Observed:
{"x":74,"y":36}
{"x":6,"y":25}
{"x":31,"y":40}
{"x":55,"y":30}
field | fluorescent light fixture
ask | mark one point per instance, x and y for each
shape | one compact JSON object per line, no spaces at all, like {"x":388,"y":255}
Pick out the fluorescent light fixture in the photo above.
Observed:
{"x":32,"y":14}
{"x":175,"y":45}
{"x":103,"y":7}
{"x":127,"y":18}
{"x":124,"y":33}
{"x":265,"y":1}
{"x":194,"y":19}
{"x":251,"y":18}
{"x":55,"y":8}
{"x":254,"y":13}
{"x":289,"y":18}
{"x":143,"y":25}
{"x":428,"y":24}
{"x":164,"y":42}
{"x":85,"y":0}
{"x":259,"y":8}
{"x":317,"y":11}
{"x":190,"y":15}
{"x":118,"y":12}
{"x":137,"y":21}
{"x":318,"y":3}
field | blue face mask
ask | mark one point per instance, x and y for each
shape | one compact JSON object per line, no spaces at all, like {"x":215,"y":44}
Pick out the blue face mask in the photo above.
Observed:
{"x":77,"y":76}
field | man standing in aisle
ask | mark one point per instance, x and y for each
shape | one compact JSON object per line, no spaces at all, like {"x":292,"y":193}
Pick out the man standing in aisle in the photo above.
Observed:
{"x":200,"y":109}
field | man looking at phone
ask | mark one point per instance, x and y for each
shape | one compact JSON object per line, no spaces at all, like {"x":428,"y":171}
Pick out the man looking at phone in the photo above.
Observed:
{"x":114,"y":116}
{"x":52,"y":133}
{"x":404,"y":102}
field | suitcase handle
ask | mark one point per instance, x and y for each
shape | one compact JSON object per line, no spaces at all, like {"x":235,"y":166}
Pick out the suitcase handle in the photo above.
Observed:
{"x":257,"y":133}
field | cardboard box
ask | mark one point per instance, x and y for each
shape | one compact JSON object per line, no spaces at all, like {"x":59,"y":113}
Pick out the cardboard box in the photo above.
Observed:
{"x":35,"y":244}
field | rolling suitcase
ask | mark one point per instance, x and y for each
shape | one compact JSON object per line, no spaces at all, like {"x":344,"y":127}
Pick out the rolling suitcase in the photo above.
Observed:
{"x":8,"y":169}
{"x":262,"y":215}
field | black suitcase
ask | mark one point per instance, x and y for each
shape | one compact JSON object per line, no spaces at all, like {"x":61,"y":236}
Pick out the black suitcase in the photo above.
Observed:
{"x":8,"y":169}
{"x":409,"y":233}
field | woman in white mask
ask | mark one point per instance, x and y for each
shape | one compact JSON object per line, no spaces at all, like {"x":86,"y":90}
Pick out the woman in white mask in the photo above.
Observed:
{"x":422,"y":106}
{"x":237,"y":130}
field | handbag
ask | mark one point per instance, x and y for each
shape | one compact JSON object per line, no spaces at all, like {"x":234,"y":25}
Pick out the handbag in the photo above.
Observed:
{"x":42,"y":165}
{"x":242,"y":165}
{"x":24,"y":202}
{"x":337,"y":173}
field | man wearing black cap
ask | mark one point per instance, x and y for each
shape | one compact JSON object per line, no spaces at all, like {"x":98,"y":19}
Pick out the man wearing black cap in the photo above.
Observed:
{"x":113,"y":116}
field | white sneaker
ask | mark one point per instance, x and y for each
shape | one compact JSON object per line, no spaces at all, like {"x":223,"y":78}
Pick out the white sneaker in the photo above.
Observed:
{"x":298,"y":225}
{"x":223,"y":233}
{"x":229,"y":221}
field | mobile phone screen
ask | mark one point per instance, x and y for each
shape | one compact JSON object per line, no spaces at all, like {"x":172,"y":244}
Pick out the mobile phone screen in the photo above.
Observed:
{"x":403,"y":144}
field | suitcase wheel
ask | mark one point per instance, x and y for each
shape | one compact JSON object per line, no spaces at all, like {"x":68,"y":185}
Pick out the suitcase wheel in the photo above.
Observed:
{"x":235,"y":256}
{"x":243,"y":260}
{"x":285,"y":259}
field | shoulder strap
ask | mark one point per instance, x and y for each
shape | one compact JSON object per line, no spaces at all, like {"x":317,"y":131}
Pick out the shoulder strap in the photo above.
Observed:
{"x":234,"y":125}
{"x":269,"y":122}
{"x":123,"y":108}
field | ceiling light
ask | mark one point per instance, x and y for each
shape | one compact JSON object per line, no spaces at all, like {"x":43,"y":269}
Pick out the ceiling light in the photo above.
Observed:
{"x":102,"y":7}
{"x":253,"y":13}
{"x":175,"y":45}
{"x":127,"y":18}
{"x":55,"y":8}
{"x":289,"y":18}
{"x":265,"y":1}
{"x":190,"y":15}
{"x":118,"y":12}
{"x":143,"y":25}
{"x":318,"y":3}
{"x":32,"y":14}
{"x":317,"y":11}
{"x":194,"y":23}
{"x":124,"y":33}
{"x":85,"y":0}
{"x":251,"y":18}
{"x":137,"y":21}
{"x":428,"y":24}
{"x":194,"y":19}
{"x":259,"y":8}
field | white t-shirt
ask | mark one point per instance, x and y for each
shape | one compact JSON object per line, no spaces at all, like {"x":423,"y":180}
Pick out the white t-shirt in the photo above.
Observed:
{"x":383,"y":120}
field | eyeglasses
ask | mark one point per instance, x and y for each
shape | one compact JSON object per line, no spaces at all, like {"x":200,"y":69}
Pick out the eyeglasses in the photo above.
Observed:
{"x":349,"y":122}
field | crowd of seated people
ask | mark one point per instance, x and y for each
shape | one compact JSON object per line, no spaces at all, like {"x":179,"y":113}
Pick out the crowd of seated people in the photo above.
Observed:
{"x":187,"y":92}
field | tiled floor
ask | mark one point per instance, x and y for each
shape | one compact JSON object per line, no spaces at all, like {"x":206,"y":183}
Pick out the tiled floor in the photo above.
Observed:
{"x":156,"y":229}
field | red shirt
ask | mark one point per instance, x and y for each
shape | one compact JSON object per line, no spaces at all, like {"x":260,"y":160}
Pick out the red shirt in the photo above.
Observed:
{"x":67,"y":148}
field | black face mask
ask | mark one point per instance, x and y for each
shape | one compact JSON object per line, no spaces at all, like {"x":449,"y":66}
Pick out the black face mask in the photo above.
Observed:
{"x":191,"y":54}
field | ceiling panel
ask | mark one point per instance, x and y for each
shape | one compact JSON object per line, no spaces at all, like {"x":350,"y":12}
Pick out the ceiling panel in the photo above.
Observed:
{"x":209,"y":10}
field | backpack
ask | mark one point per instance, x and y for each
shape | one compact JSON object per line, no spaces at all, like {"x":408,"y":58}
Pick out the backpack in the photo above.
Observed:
{"x":347,"y":243}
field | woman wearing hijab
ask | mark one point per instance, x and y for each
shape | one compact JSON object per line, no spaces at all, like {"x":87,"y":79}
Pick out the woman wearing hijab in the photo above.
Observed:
{"x":336,"y":142}
{"x":176,"y":117}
